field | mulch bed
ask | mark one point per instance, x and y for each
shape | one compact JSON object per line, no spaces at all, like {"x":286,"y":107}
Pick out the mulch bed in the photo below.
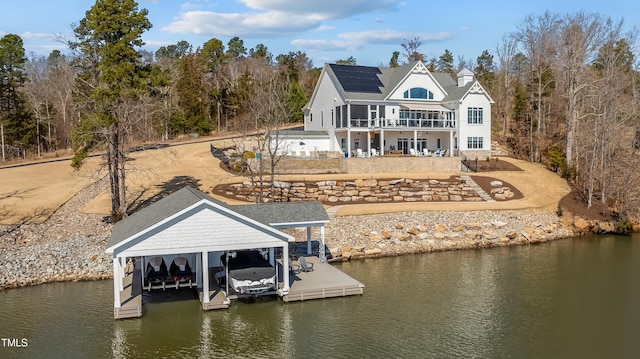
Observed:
{"x":575,"y":203}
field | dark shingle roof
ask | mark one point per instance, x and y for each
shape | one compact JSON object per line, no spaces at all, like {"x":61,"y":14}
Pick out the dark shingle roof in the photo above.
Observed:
{"x":284,"y":212}
{"x":156,"y":212}
{"x":267,"y":213}
{"x":386,"y":79}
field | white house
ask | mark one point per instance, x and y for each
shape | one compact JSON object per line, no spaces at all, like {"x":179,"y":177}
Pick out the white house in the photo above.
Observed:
{"x":403,"y":110}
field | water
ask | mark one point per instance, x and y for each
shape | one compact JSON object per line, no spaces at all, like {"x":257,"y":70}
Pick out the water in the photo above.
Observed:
{"x":575,"y":298}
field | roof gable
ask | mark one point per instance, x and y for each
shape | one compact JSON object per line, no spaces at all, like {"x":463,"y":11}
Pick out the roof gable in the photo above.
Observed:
{"x":203,"y":226}
{"x":417,"y":76}
{"x":189,"y":217}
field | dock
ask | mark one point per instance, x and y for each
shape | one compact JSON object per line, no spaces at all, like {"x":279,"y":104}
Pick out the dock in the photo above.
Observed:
{"x":131,"y":295}
{"x":325,"y":281}
{"x":217,"y":297}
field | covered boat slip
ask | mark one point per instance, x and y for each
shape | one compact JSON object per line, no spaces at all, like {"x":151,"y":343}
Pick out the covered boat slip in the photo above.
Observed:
{"x":190,"y":240}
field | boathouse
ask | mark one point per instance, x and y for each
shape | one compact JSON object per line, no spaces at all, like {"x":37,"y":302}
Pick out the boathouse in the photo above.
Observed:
{"x":189,"y":239}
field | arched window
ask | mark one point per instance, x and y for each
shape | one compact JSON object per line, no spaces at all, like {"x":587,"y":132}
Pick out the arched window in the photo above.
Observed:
{"x":419,"y":93}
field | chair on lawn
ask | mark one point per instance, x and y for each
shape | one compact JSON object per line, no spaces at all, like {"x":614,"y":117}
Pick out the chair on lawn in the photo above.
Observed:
{"x":304,"y":265}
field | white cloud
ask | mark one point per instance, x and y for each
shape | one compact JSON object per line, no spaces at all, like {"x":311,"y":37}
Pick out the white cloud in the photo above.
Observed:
{"x":329,"y":9}
{"x":36,"y":35}
{"x":362,"y":39}
{"x":244,"y":25}
{"x":271,"y":18}
{"x":324,"y":45}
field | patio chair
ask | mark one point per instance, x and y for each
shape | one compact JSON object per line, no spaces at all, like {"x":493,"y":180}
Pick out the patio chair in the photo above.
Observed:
{"x":374,"y":153}
{"x":359,"y":153}
{"x":425,"y":152}
{"x":304,"y":265}
{"x":412,"y":152}
{"x":294,"y":268}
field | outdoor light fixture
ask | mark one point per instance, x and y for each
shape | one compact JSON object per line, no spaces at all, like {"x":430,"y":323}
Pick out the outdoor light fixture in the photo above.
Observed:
{"x":301,"y":143}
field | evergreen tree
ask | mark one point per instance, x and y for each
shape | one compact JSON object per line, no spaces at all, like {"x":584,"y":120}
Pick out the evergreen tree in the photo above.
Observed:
{"x":393,"y":62}
{"x":17,"y":127}
{"x":110,"y":79}
{"x":445,"y":63}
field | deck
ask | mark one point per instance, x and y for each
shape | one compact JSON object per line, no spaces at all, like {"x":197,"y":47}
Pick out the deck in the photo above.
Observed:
{"x":217,"y":297}
{"x":131,"y":295}
{"x":325,"y":281}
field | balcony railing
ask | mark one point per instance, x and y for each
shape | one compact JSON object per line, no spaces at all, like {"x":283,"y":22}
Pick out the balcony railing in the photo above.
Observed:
{"x":397,"y":123}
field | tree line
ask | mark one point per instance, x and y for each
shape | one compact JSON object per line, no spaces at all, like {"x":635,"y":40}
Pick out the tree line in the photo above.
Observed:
{"x":565,"y":90}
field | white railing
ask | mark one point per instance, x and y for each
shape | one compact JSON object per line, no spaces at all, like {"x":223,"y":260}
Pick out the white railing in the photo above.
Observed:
{"x":398,"y":122}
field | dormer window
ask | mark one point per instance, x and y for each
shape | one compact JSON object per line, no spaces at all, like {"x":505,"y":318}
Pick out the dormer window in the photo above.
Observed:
{"x":419,"y":93}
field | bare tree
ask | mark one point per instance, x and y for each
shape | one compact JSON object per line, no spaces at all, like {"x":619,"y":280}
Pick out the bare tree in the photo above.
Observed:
{"x":505,"y":50}
{"x":538,"y":39}
{"x":412,"y":49}
{"x":581,"y":36}
{"x":269,"y":108}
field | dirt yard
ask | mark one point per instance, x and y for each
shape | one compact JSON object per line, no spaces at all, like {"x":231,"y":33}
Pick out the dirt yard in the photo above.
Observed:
{"x":36,"y":191}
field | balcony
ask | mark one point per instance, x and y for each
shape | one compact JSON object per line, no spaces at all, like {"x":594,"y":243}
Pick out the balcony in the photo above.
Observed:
{"x":391,"y":123}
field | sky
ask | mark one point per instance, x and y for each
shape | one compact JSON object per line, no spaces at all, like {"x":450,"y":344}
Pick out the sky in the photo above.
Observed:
{"x":326,"y":30}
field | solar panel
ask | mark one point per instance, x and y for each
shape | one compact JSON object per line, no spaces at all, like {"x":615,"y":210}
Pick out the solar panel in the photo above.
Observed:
{"x":358,"y":78}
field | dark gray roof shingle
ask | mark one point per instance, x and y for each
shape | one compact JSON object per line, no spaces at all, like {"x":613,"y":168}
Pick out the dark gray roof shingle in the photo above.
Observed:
{"x":267,"y":213}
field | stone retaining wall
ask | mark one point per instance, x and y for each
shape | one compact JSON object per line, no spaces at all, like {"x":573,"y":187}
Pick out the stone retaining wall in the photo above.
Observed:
{"x":359,"y":190}
{"x":316,"y":165}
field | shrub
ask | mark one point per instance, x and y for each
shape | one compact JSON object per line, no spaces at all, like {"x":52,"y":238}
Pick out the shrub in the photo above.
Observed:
{"x":248,"y":154}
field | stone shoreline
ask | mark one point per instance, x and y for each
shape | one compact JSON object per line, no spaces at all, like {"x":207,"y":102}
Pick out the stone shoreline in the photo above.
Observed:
{"x":394,"y":234}
{"x":41,"y":253}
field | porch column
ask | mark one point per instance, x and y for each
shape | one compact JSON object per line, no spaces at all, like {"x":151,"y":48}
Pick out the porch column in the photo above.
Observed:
{"x":309,"y":240}
{"x":323,"y":255}
{"x":198,"y":271}
{"x":368,"y":143}
{"x":349,"y":142}
{"x":205,"y":278}
{"x":349,"y":130}
{"x":272,"y":256}
{"x":415,"y":141}
{"x":123,"y":265}
{"x":450,"y":143}
{"x":120,"y":273}
{"x":381,"y":142}
{"x":285,"y":269}
{"x":116,"y":286}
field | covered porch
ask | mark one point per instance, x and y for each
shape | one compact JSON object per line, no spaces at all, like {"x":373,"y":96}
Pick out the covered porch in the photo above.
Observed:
{"x":398,"y":141}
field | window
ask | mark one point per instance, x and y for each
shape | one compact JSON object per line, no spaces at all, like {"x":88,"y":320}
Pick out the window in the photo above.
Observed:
{"x":474,"y":115}
{"x":332,"y":118}
{"x":310,"y":117}
{"x":418,"y":93}
{"x":474,"y":142}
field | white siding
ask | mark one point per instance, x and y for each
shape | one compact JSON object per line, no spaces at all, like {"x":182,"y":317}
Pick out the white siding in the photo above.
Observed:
{"x":207,"y":228}
{"x":424,"y":80}
{"x":475,"y":130}
{"x":322,"y":105}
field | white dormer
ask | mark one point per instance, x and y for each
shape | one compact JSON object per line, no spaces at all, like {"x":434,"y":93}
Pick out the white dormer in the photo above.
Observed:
{"x":464,"y":77}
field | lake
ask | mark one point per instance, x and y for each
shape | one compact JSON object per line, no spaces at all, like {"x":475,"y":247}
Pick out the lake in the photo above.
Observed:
{"x":574,"y":298}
